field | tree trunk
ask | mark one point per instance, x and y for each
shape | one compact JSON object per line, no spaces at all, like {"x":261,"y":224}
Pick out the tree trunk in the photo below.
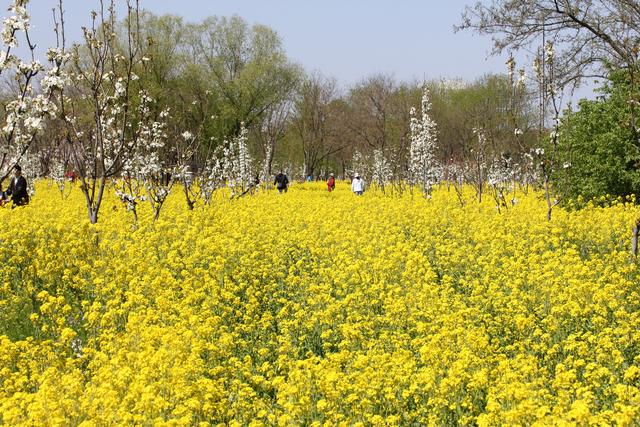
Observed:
{"x":548,"y":197}
{"x":270,"y":161}
{"x":93,"y":216}
{"x":94,"y":201}
{"x":190,"y":203}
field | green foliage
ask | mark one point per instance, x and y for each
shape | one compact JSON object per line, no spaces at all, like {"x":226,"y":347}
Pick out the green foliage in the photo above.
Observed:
{"x":491,"y":103}
{"x":597,"y":153}
{"x":214,"y":74}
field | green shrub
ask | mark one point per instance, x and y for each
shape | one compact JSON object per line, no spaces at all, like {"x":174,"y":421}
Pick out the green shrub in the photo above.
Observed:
{"x":597,"y":152}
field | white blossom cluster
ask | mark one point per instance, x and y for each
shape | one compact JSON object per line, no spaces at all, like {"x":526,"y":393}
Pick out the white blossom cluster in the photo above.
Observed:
{"x":530,"y":170}
{"x":57,"y":169}
{"x":26,"y":115}
{"x":237,"y":162}
{"x":130,"y":201}
{"x":146,"y":156}
{"x":360,"y":166}
{"x":31,"y":170}
{"x":455,"y":173}
{"x":482,"y":143}
{"x":501,"y":172}
{"x":424,"y":167}
{"x":145,"y":168}
{"x":211,"y":179}
{"x":182,"y":171}
{"x":115,"y":138}
{"x":381,"y":171}
{"x":18,"y":21}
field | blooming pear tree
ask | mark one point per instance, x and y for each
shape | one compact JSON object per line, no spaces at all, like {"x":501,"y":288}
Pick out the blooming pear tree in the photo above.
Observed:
{"x":478,"y":168}
{"x":26,"y":114}
{"x":211,"y":179}
{"x":55,"y":158}
{"x":106,"y":114}
{"x":500,"y":175}
{"x":146,"y":172}
{"x":220,"y":167}
{"x":381,"y":170}
{"x":57,"y":171}
{"x":237,"y":168}
{"x":455,"y":175}
{"x":187,"y":148}
{"x":424,"y":167}
{"x":154,"y":165}
{"x":360,"y":165}
{"x":193,"y":158}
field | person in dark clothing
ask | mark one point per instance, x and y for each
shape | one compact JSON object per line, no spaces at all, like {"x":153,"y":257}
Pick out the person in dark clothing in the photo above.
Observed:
{"x":18,"y":188}
{"x":281,"y":182}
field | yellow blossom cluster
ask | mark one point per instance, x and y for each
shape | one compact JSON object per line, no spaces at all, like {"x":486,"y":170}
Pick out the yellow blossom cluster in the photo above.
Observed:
{"x":321,"y":309}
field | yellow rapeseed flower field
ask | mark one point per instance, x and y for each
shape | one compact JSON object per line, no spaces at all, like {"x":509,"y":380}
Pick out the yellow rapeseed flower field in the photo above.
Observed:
{"x":317,"y":308}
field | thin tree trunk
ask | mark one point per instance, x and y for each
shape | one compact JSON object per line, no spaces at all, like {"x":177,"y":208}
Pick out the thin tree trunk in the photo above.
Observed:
{"x":548,"y":197}
{"x":190,"y":203}
{"x":94,"y":201}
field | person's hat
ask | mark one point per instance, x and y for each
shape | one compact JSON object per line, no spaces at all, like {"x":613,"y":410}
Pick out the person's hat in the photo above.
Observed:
{"x":330,"y":174}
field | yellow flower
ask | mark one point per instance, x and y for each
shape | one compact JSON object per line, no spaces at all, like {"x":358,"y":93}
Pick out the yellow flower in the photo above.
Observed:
{"x":318,"y":309}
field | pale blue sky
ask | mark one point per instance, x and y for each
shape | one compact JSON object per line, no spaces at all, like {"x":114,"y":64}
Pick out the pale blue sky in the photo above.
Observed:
{"x":345,"y":39}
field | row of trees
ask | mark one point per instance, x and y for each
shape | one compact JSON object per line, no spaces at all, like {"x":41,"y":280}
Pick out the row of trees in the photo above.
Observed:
{"x":594,"y":150}
{"x":150,"y":102}
{"x":147,"y":103}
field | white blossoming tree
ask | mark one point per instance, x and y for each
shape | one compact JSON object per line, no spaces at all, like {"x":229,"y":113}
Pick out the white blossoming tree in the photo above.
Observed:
{"x":155,"y":166}
{"x":424,"y":167}
{"x":55,"y":158}
{"x":198,"y":169}
{"x":530,"y":170}
{"x":360,"y":166}
{"x":237,"y":164}
{"x":478,"y":170}
{"x":381,"y":170}
{"x":202,"y":171}
{"x":211,"y":179}
{"x":187,"y":145}
{"x":26,"y":114}
{"x":455,"y":175}
{"x":500,"y":175}
{"x":107,"y":113}
{"x":145,"y":172}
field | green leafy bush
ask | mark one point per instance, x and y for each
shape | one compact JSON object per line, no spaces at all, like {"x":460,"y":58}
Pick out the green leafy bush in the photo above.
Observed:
{"x":597,"y":152}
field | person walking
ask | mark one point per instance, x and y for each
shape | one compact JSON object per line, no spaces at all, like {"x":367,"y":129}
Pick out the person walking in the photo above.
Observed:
{"x":281,"y":182}
{"x":18,"y":188}
{"x":331,"y":183}
{"x":357,"y":185}
{"x":70,"y":175}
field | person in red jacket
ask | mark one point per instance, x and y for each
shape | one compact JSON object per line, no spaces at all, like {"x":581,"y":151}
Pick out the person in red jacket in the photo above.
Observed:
{"x":70,"y":175}
{"x":331,"y":183}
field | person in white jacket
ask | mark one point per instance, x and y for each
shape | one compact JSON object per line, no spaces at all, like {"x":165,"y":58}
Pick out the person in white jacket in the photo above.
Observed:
{"x":357,"y":185}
